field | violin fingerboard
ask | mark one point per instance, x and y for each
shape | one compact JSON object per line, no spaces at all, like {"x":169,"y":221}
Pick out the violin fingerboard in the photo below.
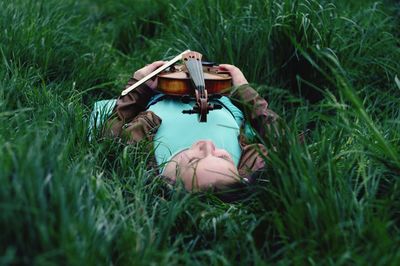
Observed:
{"x":192,"y":61}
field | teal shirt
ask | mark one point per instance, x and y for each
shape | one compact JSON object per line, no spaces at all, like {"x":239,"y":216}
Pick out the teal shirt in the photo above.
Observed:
{"x":179,"y":131}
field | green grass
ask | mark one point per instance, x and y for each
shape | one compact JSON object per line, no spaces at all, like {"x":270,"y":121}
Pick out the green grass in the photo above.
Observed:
{"x":331,"y":67}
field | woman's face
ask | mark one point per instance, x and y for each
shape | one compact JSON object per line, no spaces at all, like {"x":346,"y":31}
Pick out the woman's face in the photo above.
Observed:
{"x":202,"y":166}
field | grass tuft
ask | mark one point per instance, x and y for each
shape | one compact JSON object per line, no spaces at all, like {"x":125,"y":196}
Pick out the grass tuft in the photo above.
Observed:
{"x":332,"y":67}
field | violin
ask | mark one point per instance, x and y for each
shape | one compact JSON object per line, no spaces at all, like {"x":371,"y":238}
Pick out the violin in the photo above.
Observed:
{"x":191,"y":79}
{"x":176,"y":80}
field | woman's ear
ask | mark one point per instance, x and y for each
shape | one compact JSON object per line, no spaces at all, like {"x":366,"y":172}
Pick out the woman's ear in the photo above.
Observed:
{"x":171,"y":171}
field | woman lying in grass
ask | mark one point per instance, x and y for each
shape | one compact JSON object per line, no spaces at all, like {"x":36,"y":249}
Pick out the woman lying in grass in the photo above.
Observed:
{"x":203,"y":155}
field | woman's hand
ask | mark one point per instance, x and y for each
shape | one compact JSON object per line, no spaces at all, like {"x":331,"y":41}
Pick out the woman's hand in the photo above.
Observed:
{"x":144,"y":71}
{"x":237,"y":76}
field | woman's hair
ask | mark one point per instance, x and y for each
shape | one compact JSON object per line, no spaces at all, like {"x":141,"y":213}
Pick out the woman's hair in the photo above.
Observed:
{"x":240,"y":190}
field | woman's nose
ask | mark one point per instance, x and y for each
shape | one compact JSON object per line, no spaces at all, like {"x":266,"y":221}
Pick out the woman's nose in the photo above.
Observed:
{"x":206,"y":146}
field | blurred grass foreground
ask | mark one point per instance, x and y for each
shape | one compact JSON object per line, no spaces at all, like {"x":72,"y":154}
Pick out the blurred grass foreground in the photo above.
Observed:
{"x":329,"y":66}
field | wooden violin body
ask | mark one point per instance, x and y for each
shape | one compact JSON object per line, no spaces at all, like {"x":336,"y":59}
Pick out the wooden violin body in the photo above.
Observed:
{"x":177,"y":81}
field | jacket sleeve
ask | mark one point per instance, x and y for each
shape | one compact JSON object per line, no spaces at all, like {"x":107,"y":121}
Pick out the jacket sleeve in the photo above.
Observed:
{"x":252,"y":161}
{"x":124,"y":119}
{"x":255,"y":108}
{"x":262,"y":119}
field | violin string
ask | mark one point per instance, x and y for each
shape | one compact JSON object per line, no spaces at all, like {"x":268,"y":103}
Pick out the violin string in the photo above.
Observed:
{"x":200,"y":76}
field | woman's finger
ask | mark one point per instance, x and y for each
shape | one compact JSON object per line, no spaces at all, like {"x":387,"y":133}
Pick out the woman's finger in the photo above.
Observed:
{"x":237,"y":76}
{"x":227,"y":67}
{"x":153,"y":66}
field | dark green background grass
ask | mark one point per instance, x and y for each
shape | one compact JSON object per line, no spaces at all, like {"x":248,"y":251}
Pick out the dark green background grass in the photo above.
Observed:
{"x":333,"y":67}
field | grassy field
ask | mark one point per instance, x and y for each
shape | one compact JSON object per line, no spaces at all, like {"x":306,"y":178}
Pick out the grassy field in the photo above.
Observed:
{"x":332,"y":67}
